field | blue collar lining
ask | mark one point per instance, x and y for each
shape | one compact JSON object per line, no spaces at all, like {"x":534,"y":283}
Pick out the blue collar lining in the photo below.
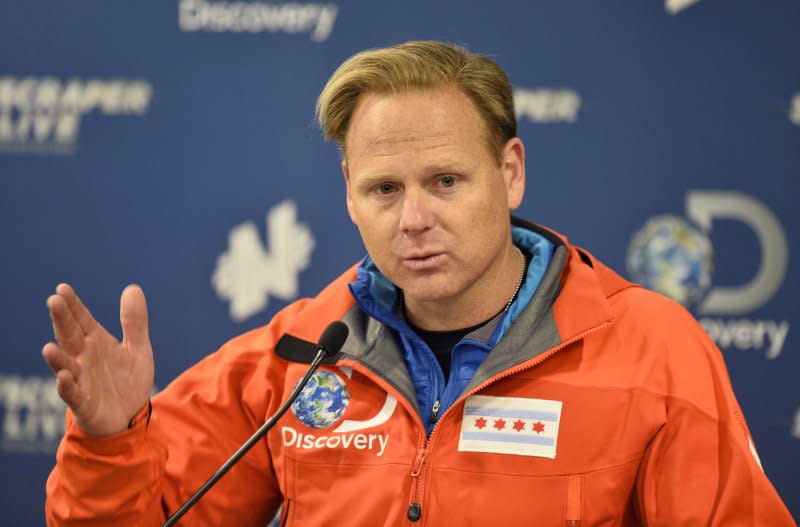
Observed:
{"x":379,"y":298}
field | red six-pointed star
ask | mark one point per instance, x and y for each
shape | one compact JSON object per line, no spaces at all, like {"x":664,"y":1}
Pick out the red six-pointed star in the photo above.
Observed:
{"x":499,"y":424}
{"x":480,"y":422}
{"x":519,"y":426}
{"x":538,"y":427}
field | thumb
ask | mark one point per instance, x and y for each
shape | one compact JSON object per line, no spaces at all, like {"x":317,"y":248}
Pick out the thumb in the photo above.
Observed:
{"x":133,"y":317}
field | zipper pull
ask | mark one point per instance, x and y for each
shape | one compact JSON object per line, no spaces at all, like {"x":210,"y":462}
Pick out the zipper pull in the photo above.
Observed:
{"x":435,"y":410}
{"x":415,"y":470}
{"x":414,"y":512}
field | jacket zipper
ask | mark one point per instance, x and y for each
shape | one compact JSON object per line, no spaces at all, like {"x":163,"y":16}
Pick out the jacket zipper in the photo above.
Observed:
{"x":435,"y":410}
{"x":415,"y":508}
{"x":418,"y":470}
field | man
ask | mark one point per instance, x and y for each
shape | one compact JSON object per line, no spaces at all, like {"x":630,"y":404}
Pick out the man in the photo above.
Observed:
{"x":493,"y":374}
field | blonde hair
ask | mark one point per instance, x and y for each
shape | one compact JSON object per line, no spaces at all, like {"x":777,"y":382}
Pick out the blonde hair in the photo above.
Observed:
{"x":419,"y":65}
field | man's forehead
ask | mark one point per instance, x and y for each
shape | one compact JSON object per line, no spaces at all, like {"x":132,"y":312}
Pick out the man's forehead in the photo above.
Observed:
{"x":419,"y":138}
{"x":430,"y":119}
{"x":435,"y":148}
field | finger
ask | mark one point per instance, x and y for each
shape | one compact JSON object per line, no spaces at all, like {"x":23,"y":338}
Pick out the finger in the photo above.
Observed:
{"x":68,"y":389}
{"x":59,"y":360}
{"x":65,"y":328}
{"x":81,"y":313}
{"x":133,"y":317}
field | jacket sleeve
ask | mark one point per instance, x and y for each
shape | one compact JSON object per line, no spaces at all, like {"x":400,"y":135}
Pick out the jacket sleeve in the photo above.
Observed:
{"x":142,"y":475}
{"x":702,"y":467}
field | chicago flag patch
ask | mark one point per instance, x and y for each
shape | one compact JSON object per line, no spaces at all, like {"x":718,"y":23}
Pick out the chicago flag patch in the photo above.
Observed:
{"x":510,"y":425}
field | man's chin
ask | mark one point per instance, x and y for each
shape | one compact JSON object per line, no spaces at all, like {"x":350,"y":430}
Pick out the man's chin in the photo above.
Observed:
{"x":422,"y":293}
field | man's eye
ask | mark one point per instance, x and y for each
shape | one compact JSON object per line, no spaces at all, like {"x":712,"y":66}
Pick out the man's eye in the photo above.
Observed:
{"x":386,"y":188}
{"x":448,"y":181}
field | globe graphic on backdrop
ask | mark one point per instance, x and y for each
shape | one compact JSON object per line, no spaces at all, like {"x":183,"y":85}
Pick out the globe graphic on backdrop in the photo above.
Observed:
{"x":323,"y":401}
{"x":670,"y":256}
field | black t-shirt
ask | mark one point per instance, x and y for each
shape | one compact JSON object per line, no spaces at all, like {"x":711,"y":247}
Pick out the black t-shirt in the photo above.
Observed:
{"x":441,"y":342}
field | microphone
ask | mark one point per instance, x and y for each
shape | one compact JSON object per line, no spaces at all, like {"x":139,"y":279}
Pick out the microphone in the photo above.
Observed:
{"x":330,"y":343}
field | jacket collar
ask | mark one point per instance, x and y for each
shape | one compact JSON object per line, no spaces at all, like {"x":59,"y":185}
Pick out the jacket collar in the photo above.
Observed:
{"x":569,"y":302}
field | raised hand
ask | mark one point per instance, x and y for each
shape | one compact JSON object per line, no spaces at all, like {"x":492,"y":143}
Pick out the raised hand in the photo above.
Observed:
{"x":105,"y":382}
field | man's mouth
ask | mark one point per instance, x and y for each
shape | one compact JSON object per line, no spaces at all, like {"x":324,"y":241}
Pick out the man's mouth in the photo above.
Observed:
{"x":423,"y":261}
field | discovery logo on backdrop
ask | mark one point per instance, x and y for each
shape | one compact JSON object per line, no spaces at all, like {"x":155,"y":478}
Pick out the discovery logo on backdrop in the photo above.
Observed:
{"x":675,"y":257}
{"x":547,"y":105}
{"x":43,"y":114}
{"x":258,"y":17}
{"x":247,"y":273}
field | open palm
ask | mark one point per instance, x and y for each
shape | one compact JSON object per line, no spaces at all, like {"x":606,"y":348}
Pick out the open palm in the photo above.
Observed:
{"x":105,"y":382}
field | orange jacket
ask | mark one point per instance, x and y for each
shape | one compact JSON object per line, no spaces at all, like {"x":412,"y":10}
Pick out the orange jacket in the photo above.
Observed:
{"x":604,"y":404}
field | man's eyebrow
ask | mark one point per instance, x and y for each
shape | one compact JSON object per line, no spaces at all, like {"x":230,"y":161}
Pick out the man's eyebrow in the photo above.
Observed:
{"x":372,"y":179}
{"x":432,"y":169}
{"x":445,"y":168}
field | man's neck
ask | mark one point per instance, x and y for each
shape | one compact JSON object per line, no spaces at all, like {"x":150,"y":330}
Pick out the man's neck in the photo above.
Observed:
{"x":481,"y":303}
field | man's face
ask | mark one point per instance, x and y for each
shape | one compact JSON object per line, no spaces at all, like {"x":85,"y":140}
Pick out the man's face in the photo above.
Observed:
{"x":430,"y":201}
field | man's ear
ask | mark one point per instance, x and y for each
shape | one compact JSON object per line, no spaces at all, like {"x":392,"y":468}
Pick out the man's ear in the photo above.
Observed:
{"x":348,"y":190}
{"x":513,"y":168}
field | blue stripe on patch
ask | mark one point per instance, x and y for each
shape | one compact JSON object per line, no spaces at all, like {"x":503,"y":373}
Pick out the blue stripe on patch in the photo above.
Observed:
{"x":508,"y":438}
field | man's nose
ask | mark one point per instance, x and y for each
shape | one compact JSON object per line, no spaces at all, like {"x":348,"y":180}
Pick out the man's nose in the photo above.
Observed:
{"x":416,"y":214}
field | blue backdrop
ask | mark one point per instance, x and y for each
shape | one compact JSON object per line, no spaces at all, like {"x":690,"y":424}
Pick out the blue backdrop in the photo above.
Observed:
{"x":172,"y":144}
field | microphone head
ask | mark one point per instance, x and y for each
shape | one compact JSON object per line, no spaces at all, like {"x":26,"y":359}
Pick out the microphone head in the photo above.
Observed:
{"x":333,"y":337}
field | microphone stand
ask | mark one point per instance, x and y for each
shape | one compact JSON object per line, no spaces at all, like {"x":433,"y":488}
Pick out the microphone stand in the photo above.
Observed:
{"x":321,"y":354}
